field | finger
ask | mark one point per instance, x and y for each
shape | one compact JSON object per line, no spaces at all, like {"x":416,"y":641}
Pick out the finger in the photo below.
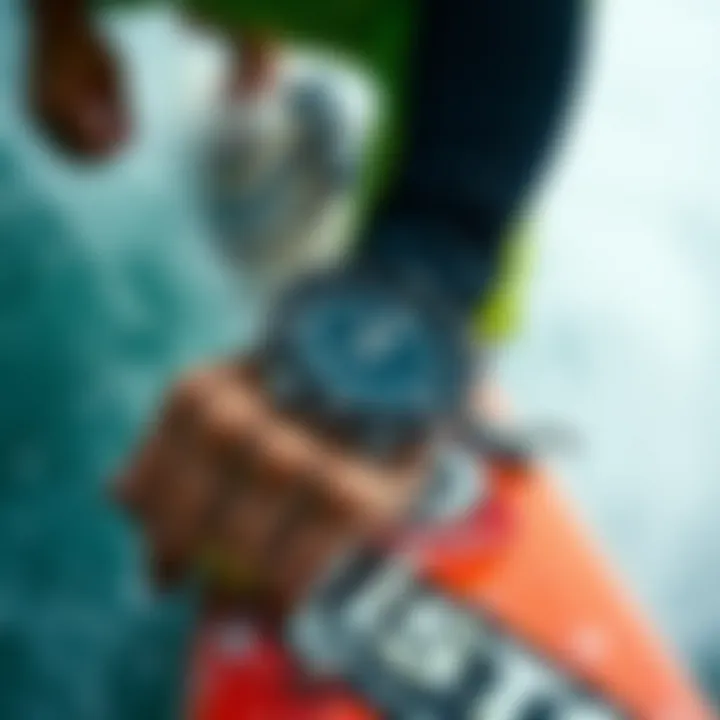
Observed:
{"x":231,"y":414}
{"x":131,"y":488}
{"x":259,"y":517}
{"x":309,"y":535}
{"x":295,"y":511}
{"x":369,"y":496}
{"x":205,"y":429}
{"x":243,"y":505}
{"x":318,"y":519}
{"x":227,"y":442}
{"x":363,"y":494}
{"x":180,"y":420}
{"x":286,"y":452}
{"x":183,"y":502}
{"x":196,"y":410}
{"x":157,"y":493}
{"x":242,"y":534}
{"x":167,"y":490}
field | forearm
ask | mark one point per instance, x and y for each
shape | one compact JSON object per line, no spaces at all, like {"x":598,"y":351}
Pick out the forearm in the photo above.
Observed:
{"x":489,"y":81}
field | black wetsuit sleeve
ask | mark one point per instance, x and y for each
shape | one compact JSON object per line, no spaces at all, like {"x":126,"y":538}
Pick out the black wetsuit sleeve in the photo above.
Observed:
{"x":489,"y":82}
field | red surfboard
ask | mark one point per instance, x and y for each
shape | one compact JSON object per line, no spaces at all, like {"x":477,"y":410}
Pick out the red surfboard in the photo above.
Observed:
{"x":536,"y":575}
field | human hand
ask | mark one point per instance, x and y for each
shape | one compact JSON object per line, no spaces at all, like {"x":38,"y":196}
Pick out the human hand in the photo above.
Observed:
{"x":224,"y":472}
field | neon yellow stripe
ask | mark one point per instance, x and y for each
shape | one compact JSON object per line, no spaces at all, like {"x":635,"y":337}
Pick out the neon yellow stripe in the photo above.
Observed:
{"x":501,"y":315}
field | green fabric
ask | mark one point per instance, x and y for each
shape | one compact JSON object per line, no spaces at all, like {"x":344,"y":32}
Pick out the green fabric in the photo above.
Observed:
{"x":374,"y":34}
{"x":500,"y":316}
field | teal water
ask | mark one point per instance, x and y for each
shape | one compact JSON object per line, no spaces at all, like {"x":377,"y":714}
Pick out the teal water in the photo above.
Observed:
{"x":106,"y":293}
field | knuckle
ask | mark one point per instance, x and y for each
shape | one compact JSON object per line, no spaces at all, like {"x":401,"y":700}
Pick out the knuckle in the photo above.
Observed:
{"x":289,"y":451}
{"x":224,"y":422}
{"x":189,"y":396}
{"x":194,"y":387}
{"x":362,"y":494}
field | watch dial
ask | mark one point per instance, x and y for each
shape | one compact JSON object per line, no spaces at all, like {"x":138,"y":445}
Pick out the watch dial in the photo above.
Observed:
{"x":380,"y":354}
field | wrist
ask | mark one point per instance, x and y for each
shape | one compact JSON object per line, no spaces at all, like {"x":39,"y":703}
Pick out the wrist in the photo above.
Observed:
{"x":437,"y":250}
{"x":418,"y":275}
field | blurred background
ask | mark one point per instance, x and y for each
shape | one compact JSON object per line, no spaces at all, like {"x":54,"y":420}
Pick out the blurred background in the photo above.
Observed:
{"x":622,"y":337}
{"x":107,"y":281}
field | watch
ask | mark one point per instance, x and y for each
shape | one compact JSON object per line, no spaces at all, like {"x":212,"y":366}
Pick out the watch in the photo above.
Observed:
{"x":379,"y":362}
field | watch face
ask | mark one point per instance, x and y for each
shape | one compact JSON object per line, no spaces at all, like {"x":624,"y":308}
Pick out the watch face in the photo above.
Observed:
{"x":369,"y":350}
{"x":372,"y":352}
